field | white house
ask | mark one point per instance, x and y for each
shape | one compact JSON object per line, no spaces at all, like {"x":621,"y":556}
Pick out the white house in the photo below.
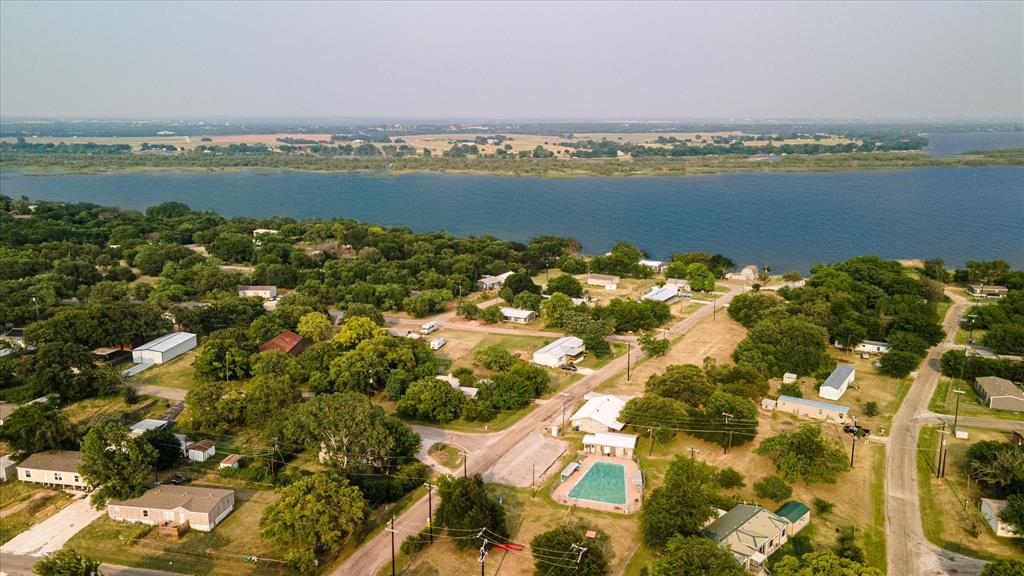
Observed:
{"x":869,"y":346}
{"x":788,"y":378}
{"x":664,"y":294}
{"x":493,"y":282}
{"x":452,"y":381}
{"x":604,"y":280}
{"x":164,"y":348}
{"x":201,"y":450}
{"x":837,"y":382}
{"x":143,"y":426}
{"x":261,"y":231}
{"x":610,"y":444}
{"x":265,"y":292}
{"x":656,"y":265}
{"x":812,"y":409}
{"x":991,"y":509}
{"x":8,"y":469}
{"x":565,"y":350}
{"x":599,"y":414}
{"x":518,"y":315}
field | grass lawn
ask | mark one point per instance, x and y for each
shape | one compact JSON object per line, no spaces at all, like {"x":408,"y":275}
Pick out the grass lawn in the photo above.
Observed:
{"x":16,"y":491}
{"x":886,"y":391}
{"x":949,"y":510}
{"x":221,"y":551}
{"x":944,"y":401}
{"x":527,"y":517}
{"x":34,"y":511}
{"x":963,"y":335}
{"x":177,"y":373}
{"x":88,"y":412}
{"x":447,"y":455}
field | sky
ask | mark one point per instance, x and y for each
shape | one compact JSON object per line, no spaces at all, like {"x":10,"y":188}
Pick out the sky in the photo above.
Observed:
{"x":565,"y":61}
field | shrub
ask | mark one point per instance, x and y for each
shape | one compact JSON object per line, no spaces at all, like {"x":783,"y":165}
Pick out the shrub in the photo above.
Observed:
{"x":730,"y":478}
{"x":821,"y":506}
{"x":870,"y":408}
{"x":791,"y":389}
{"x":773,"y":488}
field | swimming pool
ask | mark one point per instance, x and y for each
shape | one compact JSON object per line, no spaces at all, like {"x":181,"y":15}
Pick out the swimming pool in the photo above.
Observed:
{"x":604,"y":482}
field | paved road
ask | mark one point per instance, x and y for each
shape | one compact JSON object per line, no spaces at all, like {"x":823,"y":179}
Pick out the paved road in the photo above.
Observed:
{"x":21,"y":565}
{"x":909,"y":552}
{"x":497,"y":445}
{"x":51,"y":534}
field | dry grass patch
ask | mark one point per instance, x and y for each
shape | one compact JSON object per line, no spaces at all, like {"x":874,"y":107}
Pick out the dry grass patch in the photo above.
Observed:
{"x":178,"y":373}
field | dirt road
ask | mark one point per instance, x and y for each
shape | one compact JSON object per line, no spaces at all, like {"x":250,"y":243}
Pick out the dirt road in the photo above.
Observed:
{"x":377,"y":552}
{"x":909,"y":552}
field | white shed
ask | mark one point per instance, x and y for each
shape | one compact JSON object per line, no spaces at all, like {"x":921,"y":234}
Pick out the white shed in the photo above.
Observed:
{"x":201,"y":450}
{"x":837,"y":382}
{"x":164,"y":348}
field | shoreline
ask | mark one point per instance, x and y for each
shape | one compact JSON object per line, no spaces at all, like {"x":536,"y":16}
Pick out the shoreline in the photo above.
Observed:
{"x":556,"y":169}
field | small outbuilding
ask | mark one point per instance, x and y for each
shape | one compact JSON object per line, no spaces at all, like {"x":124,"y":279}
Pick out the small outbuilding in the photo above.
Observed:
{"x":230,"y":461}
{"x":265,"y":292}
{"x":164,"y":348}
{"x":837,"y":382}
{"x":288,"y":342}
{"x":789,"y":378}
{"x":610,"y":444}
{"x":992,"y":509}
{"x":985,"y":291}
{"x":606,"y":281}
{"x":143,"y":426}
{"x":201,"y":450}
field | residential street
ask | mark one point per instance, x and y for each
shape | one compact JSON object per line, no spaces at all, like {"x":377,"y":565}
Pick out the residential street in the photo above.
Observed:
{"x":909,"y":552}
{"x":21,"y":565}
{"x":498,"y":446}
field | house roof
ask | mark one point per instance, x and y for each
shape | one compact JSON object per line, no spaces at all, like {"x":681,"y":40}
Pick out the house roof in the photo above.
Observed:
{"x":517,"y":313}
{"x":286,"y":342}
{"x":603,"y":277}
{"x":662,"y":293}
{"x":745,"y":528}
{"x":611,"y":439}
{"x":996,"y":506}
{"x":838,"y":376}
{"x":996,"y":387}
{"x":874,"y":343}
{"x":202,"y":445}
{"x":603,"y":409}
{"x":814,"y":404}
{"x":793,"y":511}
{"x":56,"y":460}
{"x":676,"y":282}
{"x":165,"y":342}
{"x":231,"y":459}
{"x":562,"y":346}
{"x":651,"y":263}
{"x":257,"y":287}
{"x":170,"y":497}
{"x":147,"y":424}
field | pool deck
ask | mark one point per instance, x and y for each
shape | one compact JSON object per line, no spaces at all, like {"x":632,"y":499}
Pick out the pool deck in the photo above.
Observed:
{"x":633,"y":497}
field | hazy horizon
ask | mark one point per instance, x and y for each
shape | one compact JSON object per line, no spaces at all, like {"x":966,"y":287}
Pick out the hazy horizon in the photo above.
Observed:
{"x":513,"y":62}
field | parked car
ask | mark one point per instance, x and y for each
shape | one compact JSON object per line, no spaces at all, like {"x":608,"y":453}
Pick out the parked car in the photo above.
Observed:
{"x":859,"y":431}
{"x":177,"y":480}
{"x":569,"y":367}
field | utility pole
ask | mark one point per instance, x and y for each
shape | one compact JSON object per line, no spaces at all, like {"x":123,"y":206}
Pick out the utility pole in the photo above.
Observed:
{"x":565,"y":398}
{"x":465,"y":464}
{"x":650,"y":444}
{"x":956,"y":415}
{"x":853,"y":445}
{"x":483,"y":553}
{"x":430,"y":511}
{"x":273,"y":459}
{"x":629,"y":347}
{"x":942,"y":444}
{"x":533,"y":479}
{"x":727,"y":416}
{"x":392,"y":530}
{"x":692,"y":451}
{"x":945,"y":456}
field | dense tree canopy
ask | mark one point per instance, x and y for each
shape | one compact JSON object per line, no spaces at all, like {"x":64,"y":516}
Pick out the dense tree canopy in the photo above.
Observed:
{"x":466,"y":506}
{"x":317,"y":512}
{"x":119,"y":465}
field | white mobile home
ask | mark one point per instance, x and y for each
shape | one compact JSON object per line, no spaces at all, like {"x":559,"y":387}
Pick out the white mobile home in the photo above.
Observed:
{"x":265,"y":292}
{"x":604,"y":280}
{"x":518,"y":315}
{"x":164,"y":348}
{"x":837,"y":382}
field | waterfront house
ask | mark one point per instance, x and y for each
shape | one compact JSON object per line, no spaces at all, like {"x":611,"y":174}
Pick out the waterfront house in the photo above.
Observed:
{"x":164,"y":348}
{"x":655,"y":265}
{"x":493,"y":282}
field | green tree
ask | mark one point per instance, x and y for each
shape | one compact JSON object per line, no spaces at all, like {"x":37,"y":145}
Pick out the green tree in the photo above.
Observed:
{"x":1003,"y":568}
{"x":729,"y":477}
{"x":119,"y":465}
{"x":773,"y":488}
{"x":727,"y":413}
{"x":681,"y":505}
{"x":898,"y":364}
{"x":565,"y":284}
{"x":822,"y":562}
{"x":662,"y":414}
{"x":784,"y":345}
{"x":491,"y":314}
{"x":165,"y":443}
{"x":432,"y":400}
{"x":936,"y":269}
{"x":267,"y":395}
{"x":805,"y":455}
{"x":316,"y":326}
{"x":225,"y":356}
{"x":1014,"y":512}
{"x":318,"y":512}
{"x":701,"y":278}
{"x":38,"y":427}
{"x":213,"y":407}
{"x":592,"y":562}
{"x":654,"y":346}
{"x":684,"y":382}
{"x":67,"y":563}
{"x":1005,"y":339}
{"x":749,"y":308}
{"x":793,"y":389}
{"x":468,"y":310}
{"x":556,"y":309}
{"x":696,"y":556}
{"x":357,"y":329}
{"x":466,"y":505}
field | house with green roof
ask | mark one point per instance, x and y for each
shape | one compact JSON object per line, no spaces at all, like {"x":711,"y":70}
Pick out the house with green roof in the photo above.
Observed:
{"x":753,"y":533}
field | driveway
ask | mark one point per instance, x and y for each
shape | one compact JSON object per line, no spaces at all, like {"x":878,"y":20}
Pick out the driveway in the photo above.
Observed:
{"x":51,"y":534}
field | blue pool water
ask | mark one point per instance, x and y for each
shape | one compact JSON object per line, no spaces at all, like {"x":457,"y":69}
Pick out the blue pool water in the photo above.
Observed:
{"x":604,"y":482}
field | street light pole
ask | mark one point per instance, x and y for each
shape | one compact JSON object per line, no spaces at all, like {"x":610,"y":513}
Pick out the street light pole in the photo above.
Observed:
{"x":956,"y":415}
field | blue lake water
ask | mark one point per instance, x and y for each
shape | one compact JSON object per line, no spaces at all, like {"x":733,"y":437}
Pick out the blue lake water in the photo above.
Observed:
{"x":786,"y":220}
{"x":947,"y":144}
